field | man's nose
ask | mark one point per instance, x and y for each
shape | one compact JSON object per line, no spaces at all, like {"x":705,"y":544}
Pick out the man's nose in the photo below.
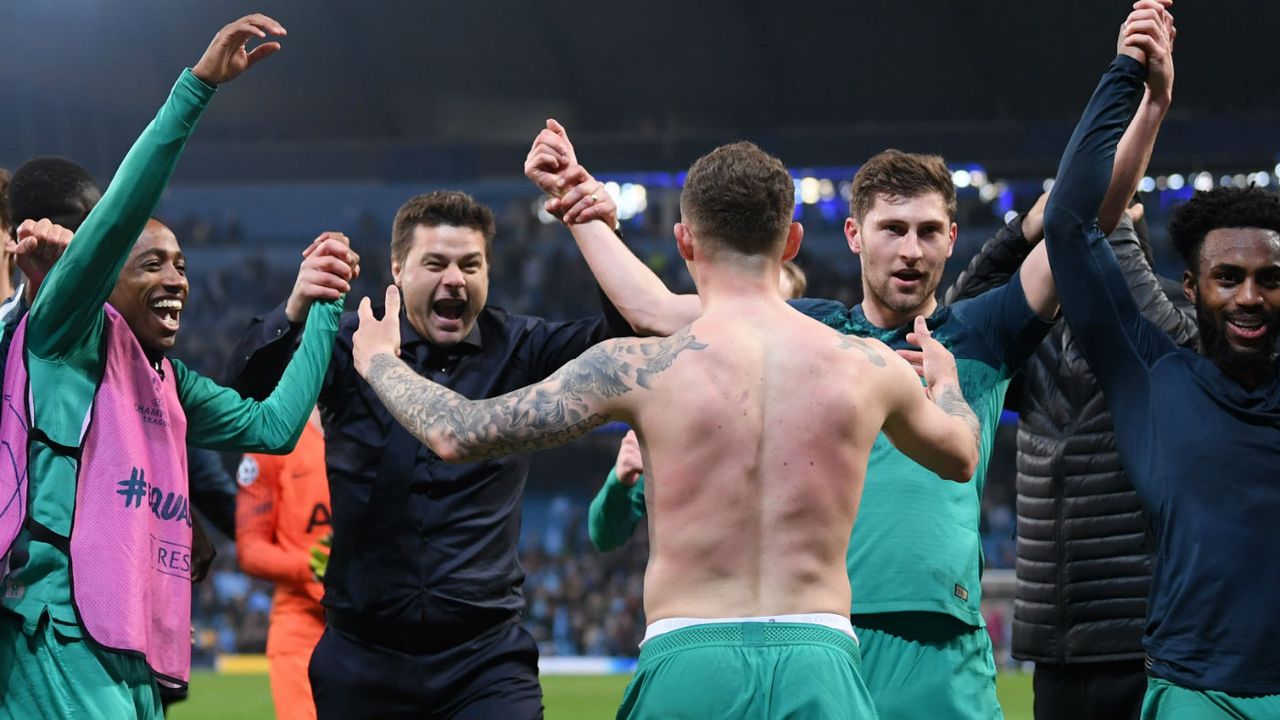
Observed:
{"x":1249,"y":294}
{"x":453,"y":276}
{"x":910,"y":248}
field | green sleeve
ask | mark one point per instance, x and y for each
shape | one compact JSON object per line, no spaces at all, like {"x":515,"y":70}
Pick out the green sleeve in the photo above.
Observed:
{"x":218,"y":418}
{"x":614,"y":513}
{"x":66,"y":318}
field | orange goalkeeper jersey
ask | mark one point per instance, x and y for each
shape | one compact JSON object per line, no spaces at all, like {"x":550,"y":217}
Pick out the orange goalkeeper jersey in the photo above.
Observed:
{"x":282,"y":511}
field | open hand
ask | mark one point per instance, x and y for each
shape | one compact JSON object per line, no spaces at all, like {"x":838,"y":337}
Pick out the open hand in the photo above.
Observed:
{"x":375,"y":337}
{"x":935,"y":364}
{"x":228,"y":54}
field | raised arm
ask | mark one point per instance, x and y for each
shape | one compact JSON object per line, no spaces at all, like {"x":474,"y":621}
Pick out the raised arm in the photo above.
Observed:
{"x":936,"y":428}
{"x":1001,"y":256}
{"x":995,"y":261}
{"x":630,"y":285}
{"x":619,"y":506}
{"x":70,"y":303}
{"x":220,"y":419}
{"x":1117,"y":342}
{"x":596,"y":387}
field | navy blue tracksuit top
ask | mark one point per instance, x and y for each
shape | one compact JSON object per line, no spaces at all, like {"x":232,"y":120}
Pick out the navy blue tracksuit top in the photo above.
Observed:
{"x":1202,"y":451}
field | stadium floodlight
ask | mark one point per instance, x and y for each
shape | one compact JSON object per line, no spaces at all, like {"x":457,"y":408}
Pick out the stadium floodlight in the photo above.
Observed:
{"x":1176,"y":181}
{"x":961,"y":178}
{"x":1147,"y":184}
{"x":1204,"y":181}
{"x":809,"y":190}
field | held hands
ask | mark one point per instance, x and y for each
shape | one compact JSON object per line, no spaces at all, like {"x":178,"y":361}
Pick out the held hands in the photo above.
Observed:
{"x":328,"y":267}
{"x":375,"y":337}
{"x":932,"y":361}
{"x":1147,"y":36}
{"x":38,"y":246}
{"x":629,"y":465}
{"x":228,"y":54}
{"x":576,"y":196}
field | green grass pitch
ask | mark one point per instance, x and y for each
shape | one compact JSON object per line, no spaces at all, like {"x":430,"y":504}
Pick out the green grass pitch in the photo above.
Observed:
{"x":248,"y":697}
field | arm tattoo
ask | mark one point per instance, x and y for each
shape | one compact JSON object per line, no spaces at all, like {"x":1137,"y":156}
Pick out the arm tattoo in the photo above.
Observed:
{"x":562,"y":407}
{"x":851,"y":342}
{"x":952,"y":402}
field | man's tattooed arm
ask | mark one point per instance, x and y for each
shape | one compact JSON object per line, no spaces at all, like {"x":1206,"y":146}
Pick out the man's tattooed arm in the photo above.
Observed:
{"x":951,"y":400}
{"x":580,"y":396}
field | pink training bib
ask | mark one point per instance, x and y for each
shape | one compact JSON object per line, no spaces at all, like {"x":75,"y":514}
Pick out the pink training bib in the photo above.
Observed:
{"x":130,"y":545}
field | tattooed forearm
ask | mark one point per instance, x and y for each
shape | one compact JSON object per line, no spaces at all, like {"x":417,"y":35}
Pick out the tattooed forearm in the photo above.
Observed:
{"x":952,"y":401}
{"x":564,"y":406}
{"x":851,"y":342}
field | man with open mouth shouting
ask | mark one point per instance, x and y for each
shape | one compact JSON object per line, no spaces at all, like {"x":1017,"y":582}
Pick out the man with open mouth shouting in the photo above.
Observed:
{"x":422,"y":590}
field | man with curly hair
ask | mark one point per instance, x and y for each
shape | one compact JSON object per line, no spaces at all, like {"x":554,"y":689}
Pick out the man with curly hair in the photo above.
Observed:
{"x":1199,"y":433}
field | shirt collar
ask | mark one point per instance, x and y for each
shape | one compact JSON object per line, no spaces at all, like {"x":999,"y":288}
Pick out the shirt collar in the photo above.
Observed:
{"x":409,"y":336}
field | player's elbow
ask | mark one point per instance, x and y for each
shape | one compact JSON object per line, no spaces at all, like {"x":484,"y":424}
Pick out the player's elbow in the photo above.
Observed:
{"x":964,"y":460}
{"x":1060,"y":222}
{"x":449,"y":447}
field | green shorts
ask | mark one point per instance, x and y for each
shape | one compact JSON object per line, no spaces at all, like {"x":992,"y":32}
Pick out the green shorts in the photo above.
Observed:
{"x":927,"y":665}
{"x":1168,"y":701}
{"x":748,"y":671}
{"x":48,"y":675}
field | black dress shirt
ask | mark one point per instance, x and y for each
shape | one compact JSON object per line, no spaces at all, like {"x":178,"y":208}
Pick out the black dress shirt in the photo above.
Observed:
{"x":421,"y":545}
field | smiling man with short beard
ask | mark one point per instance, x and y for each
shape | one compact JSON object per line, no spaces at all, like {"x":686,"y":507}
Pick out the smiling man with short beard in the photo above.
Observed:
{"x":1230,"y":240}
{"x":1199,"y":433}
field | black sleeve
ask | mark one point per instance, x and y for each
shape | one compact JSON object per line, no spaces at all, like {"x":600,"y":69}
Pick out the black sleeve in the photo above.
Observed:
{"x":1118,"y":342}
{"x":211,"y":489}
{"x":1178,"y":321}
{"x":263,"y":353}
{"x":994,"y":264}
{"x":552,"y":344}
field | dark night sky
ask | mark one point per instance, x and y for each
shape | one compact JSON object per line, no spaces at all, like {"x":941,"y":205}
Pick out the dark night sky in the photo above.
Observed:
{"x":645,"y":84}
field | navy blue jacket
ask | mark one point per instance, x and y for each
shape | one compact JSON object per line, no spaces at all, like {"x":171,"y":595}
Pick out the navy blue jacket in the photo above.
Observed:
{"x":1201,"y":450}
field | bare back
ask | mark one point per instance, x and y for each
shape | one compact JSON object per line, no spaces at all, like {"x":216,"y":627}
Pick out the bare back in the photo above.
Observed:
{"x":756,"y":448}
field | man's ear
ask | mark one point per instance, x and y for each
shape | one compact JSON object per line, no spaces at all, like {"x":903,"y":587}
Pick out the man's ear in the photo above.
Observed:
{"x":795,"y":234}
{"x":853,"y":235}
{"x":955,"y":231}
{"x":684,"y":241}
{"x":1189,"y":286}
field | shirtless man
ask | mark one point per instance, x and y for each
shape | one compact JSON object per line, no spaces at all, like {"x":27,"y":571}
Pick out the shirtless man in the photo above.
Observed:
{"x":750,"y":522}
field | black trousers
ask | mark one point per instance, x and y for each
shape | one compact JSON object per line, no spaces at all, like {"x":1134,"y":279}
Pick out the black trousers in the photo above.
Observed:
{"x":494,"y":676}
{"x":1098,"y":691}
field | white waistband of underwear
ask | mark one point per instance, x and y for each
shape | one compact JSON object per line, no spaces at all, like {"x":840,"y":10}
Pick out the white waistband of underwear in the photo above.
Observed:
{"x":839,"y":623}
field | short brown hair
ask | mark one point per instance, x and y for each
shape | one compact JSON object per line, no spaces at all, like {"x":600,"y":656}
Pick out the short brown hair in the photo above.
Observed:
{"x":442,"y":207}
{"x":798,"y":281}
{"x":741,"y":197}
{"x":897,"y":174}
